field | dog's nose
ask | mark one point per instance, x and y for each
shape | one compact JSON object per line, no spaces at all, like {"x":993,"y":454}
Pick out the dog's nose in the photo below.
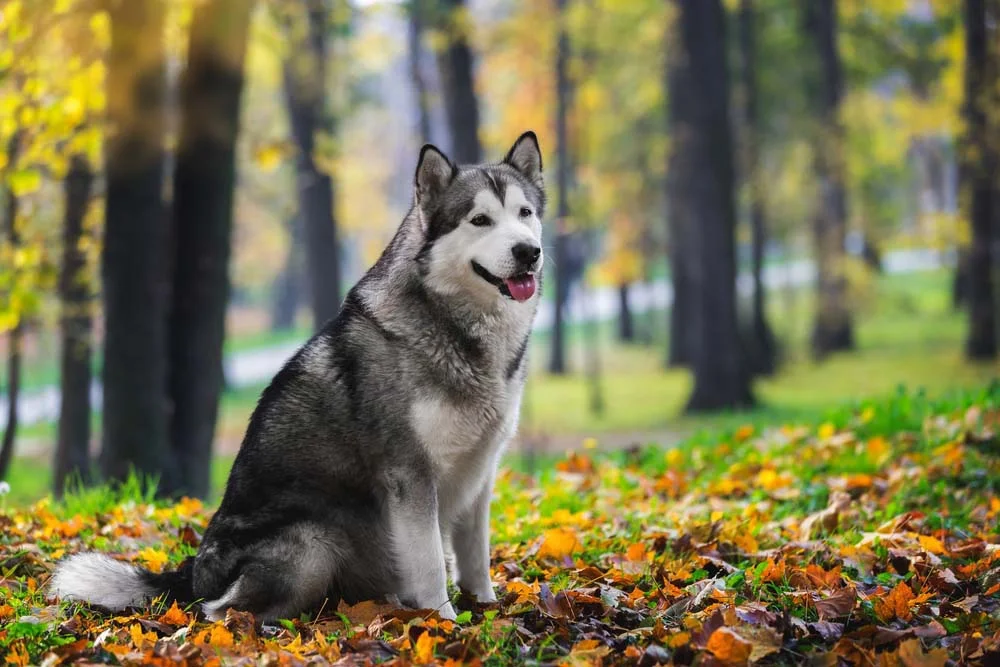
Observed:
{"x":526,"y":254}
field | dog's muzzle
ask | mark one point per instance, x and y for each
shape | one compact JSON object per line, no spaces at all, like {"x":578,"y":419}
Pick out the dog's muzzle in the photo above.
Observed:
{"x":519,"y":287}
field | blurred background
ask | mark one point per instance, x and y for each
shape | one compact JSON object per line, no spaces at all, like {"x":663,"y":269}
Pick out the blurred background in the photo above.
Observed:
{"x":759,"y":209}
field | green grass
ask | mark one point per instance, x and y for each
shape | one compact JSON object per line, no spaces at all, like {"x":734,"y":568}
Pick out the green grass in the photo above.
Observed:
{"x":906,"y":331}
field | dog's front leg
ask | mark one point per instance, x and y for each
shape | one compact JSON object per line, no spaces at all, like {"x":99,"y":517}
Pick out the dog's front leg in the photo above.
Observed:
{"x":416,"y":537}
{"x":471,"y":540}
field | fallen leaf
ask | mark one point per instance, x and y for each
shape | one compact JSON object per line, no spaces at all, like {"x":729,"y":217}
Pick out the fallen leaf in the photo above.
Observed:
{"x":423,"y":651}
{"x":837,"y":605}
{"x":826,"y":519}
{"x":174,"y":616}
{"x":911,"y":654}
{"x":729,"y":647}
{"x":558,"y":543}
{"x":895,"y":604}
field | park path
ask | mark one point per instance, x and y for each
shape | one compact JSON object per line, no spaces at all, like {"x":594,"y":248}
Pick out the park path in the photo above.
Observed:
{"x":255,"y":367}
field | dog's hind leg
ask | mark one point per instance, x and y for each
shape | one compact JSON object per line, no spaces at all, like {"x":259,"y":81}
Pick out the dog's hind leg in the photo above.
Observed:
{"x":282,"y":577}
{"x":416,"y":542}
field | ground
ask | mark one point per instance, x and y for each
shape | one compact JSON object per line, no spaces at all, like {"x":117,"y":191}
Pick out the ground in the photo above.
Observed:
{"x":869,"y":537}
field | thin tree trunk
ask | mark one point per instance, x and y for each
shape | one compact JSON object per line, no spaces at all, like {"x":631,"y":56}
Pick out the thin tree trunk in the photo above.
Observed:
{"x":833,"y":329}
{"x":557,"y":360}
{"x":681,"y":341}
{"x":763,"y":360}
{"x":72,"y":455}
{"x":14,"y":343}
{"x":16,"y":334}
{"x":204,"y":183}
{"x":305,"y":85}
{"x":980,"y":165}
{"x":458,"y":87}
{"x":290,"y":284}
{"x":415,"y":36}
{"x":133,"y":262}
{"x":721,"y":380}
{"x":626,"y":321}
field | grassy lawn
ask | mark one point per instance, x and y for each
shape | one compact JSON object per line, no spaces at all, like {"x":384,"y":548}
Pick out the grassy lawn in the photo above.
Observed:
{"x":907,"y":335}
{"x":869,"y":537}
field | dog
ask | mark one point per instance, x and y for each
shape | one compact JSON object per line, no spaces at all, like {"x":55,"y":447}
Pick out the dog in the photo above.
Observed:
{"x":373,"y":452}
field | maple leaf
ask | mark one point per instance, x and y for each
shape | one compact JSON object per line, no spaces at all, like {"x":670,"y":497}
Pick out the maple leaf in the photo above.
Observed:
{"x":174,"y":616}
{"x":896,"y":604}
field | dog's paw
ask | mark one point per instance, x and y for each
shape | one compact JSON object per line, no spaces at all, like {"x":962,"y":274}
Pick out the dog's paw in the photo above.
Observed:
{"x":447,"y":612}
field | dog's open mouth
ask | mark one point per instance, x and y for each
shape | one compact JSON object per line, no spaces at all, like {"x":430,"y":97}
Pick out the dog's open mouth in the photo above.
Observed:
{"x":520,"y":287}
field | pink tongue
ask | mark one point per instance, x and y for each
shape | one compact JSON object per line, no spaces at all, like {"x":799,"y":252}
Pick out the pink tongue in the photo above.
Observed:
{"x":521,"y":288}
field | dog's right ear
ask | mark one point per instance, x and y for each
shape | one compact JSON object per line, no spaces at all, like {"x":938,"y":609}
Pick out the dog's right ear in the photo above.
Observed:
{"x":435,"y":172}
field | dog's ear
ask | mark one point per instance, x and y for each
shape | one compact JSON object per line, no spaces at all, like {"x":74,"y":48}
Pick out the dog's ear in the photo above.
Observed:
{"x":526,"y":157}
{"x":435,"y":172}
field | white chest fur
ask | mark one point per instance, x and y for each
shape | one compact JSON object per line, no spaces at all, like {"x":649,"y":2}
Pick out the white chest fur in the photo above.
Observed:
{"x":463,"y":442}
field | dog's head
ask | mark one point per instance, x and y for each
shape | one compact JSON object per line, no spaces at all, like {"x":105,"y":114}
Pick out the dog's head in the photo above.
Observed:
{"x":481,"y":224}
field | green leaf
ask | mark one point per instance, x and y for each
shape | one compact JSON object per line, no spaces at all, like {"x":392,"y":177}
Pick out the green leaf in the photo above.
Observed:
{"x":464,"y":617}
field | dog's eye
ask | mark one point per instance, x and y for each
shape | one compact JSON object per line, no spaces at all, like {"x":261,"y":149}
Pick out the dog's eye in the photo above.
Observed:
{"x":481,"y":221}
{"x":525,"y":212}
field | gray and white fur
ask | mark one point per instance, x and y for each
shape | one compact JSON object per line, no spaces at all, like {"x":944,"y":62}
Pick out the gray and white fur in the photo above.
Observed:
{"x":373,"y":451}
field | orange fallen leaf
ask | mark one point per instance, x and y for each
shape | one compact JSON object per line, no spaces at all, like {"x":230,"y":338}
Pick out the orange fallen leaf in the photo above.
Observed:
{"x":729,"y":647}
{"x":896,"y":604}
{"x":558,"y":543}
{"x":423,"y":651}
{"x":174,"y":616}
{"x":636,"y":552}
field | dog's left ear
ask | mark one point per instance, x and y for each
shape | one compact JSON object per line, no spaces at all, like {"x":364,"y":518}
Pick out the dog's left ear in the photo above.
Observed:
{"x":526,"y":157}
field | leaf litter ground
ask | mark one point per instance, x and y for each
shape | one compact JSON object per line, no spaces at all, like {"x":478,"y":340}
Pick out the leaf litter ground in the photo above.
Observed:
{"x":870,"y":538}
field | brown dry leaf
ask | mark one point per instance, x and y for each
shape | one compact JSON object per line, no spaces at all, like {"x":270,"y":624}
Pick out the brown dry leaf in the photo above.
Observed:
{"x":825,"y":519}
{"x":837,"y":605}
{"x":911,"y":654}
{"x":729,"y":647}
{"x":365,"y":612}
{"x":764,"y":640}
{"x":586,"y":652}
{"x":896,"y":604}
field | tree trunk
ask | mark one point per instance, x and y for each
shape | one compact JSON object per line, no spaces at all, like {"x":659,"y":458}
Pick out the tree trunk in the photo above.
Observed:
{"x":133,"y":262}
{"x":290,"y":284}
{"x":204,"y":182}
{"x":415,"y":36}
{"x":833,"y":329}
{"x":305,"y":84}
{"x":721,"y":380}
{"x":72,"y":455}
{"x":979,"y":166}
{"x":626,"y":321}
{"x":763,"y":346}
{"x":557,"y":360}
{"x":458,"y":87}
{"x":681,"y":334}
{"x":16,"y":334}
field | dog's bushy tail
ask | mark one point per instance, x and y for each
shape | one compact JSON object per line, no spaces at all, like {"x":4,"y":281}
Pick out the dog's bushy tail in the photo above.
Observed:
{"x":100,"y":580}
